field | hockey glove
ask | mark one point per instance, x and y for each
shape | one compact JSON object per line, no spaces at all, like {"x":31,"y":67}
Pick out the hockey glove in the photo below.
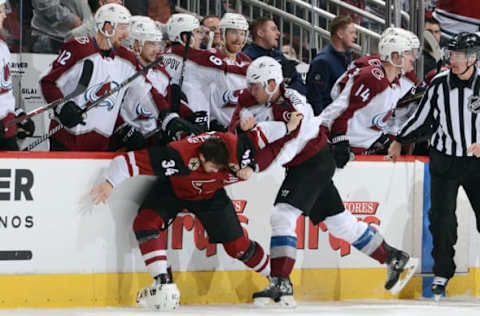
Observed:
{"x":217,"y":127}
{"x":177,"y":128}
{"x":71,"y":115}
{"x":289,"y":69}
{"x":200,"y":119}
{"x":341,"y":150}
{"x":132,"y":139}
{"x":25,"y":128}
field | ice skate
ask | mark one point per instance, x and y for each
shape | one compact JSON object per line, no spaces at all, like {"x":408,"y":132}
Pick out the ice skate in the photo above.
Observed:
{"x":163,"y":294}
{"x":438,"y":287}
{"x":279,"y":291}
{"x":397,"y":262}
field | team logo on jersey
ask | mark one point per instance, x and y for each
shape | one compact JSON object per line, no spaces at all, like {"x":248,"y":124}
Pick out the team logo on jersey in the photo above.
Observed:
{"x":379,"y":121}
{"x":193,"y":163}
{"x":375,"y":62}
{"x":378,"y":73}
{"x":286,"y":116}
{"x":82,"y":39}
{"x":229,"y":97}
{"x":5,"y":78}
{"x":198,"y":184}
{"x":142,"y":112}
{"x":474,"y":103}
{"x":96,"y":91}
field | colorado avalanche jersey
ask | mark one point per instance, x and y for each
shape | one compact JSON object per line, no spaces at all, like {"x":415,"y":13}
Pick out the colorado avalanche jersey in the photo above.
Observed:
{"x":7,"y":100}
{"x":222,"y":91}
{"x":202,"y":68}
{"x":108,"y":72}
{"x":293,"y":149}
{"x":362,"y":109}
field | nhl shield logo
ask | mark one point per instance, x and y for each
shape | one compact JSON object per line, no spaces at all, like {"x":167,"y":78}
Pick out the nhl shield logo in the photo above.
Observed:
{"x":474,"y":103}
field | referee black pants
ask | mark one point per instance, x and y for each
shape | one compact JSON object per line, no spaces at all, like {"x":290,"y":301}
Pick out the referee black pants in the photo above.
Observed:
{"x":448,"y":173}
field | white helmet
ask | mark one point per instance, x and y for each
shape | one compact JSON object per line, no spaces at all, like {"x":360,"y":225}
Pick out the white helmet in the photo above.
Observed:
{"x":264,"y":69}
{"x":398,"y":42}
{"x":180,"y":23}
{"x":415,"y":42}
{"x":143,"y":29}
{"x":112,"y":13}
{"x":233,"y":21}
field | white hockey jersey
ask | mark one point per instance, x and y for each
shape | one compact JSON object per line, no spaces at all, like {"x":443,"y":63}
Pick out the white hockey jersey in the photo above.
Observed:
{"x":363,"y":107}
{"x":202,"y":68}
{"x":305,"y":142}
{"x":222,"y":91}
{"x":108,"y":72}
{"x":7,"y":100}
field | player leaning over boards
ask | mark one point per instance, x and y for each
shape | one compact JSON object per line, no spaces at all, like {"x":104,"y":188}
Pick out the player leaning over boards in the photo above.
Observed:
{"x":191,"y":174}
{"x":309,"y":160}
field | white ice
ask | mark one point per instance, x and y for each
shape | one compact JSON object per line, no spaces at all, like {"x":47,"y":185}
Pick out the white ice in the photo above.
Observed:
{"x":421,"y":307}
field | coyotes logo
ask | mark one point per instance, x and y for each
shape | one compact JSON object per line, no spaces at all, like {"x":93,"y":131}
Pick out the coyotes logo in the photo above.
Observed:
{"x":5,"y":79}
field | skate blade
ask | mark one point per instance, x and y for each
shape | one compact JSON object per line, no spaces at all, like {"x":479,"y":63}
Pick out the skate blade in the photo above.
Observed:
{"x":266,"y":302}
{"x":437,"y":297}
{"x":410,"y":268}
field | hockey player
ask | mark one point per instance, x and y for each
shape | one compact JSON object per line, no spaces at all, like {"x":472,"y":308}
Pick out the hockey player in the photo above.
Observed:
{"x":191,"y":175}
{"x":234,"y":35}
{"x":112,"y":65}
{"x":308,"y":159}
{"x":357,"y":118}
{"x":8,"y":135}
{"x":196,"y":70}
{"x":138,"y":114}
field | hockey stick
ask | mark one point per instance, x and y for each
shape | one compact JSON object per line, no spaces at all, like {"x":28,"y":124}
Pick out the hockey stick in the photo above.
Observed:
{"x":97,"y":102}
{"x":177,"y":88}
{"x":83,"y":83}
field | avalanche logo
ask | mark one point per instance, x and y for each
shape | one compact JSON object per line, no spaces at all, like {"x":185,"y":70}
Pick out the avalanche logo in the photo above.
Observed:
{"x":96,"y":91}
{"x":5,"y":79}
{"x":229,"y":97}
{"x":142,"y":112}
{"x":379,"y":121}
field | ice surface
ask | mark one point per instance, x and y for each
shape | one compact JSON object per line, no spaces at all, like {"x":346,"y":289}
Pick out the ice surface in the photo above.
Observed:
{"x":421,"y":307}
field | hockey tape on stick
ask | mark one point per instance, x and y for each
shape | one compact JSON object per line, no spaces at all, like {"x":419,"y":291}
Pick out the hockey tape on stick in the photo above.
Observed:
{"x":83,"y":83}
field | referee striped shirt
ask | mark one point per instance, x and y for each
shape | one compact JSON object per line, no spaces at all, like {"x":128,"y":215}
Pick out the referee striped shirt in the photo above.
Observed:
{"x":446,"y":101}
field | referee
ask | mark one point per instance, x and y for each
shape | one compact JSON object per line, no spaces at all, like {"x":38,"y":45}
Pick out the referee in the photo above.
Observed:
{"x":450,"y":110}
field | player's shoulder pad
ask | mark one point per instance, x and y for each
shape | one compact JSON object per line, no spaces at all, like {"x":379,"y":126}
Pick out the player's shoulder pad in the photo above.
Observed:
{"x":74,"y":50}
{"x":128,"y":55}
{"x":365,"y":61}
{"x":372,"y":77}
{"x":201,"y":57}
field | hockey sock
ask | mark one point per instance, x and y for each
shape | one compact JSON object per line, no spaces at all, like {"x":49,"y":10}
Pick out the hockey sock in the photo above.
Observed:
{"x":147,"y":226}
{"x":283,"y":243}
{"x":250,"y":253}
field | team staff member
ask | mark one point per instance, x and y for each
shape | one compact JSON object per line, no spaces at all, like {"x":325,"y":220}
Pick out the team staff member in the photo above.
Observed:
{"x":449,"y":109}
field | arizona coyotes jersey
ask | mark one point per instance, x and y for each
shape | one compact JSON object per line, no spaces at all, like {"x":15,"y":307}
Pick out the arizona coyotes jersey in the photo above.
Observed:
{"x":300,"y":145}
{"x":202,"y":68}
{"x":180,"y":162}
{"x":363,"y":107}
{"x":7,"y":100}
{"x":222,"y":91}
{"x":108,"y":72}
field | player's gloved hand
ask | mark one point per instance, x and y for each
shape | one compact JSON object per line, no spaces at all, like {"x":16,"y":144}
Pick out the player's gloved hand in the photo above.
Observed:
{"x":71,"y":115}
{"x":132,"y":139}
{"x":289,"y":69}
{"x":177,"y":127}
{"x":217,"y":127}
{"x":200,"y":119}
{"x":25,"y":128}
{"x":341,"y":150}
